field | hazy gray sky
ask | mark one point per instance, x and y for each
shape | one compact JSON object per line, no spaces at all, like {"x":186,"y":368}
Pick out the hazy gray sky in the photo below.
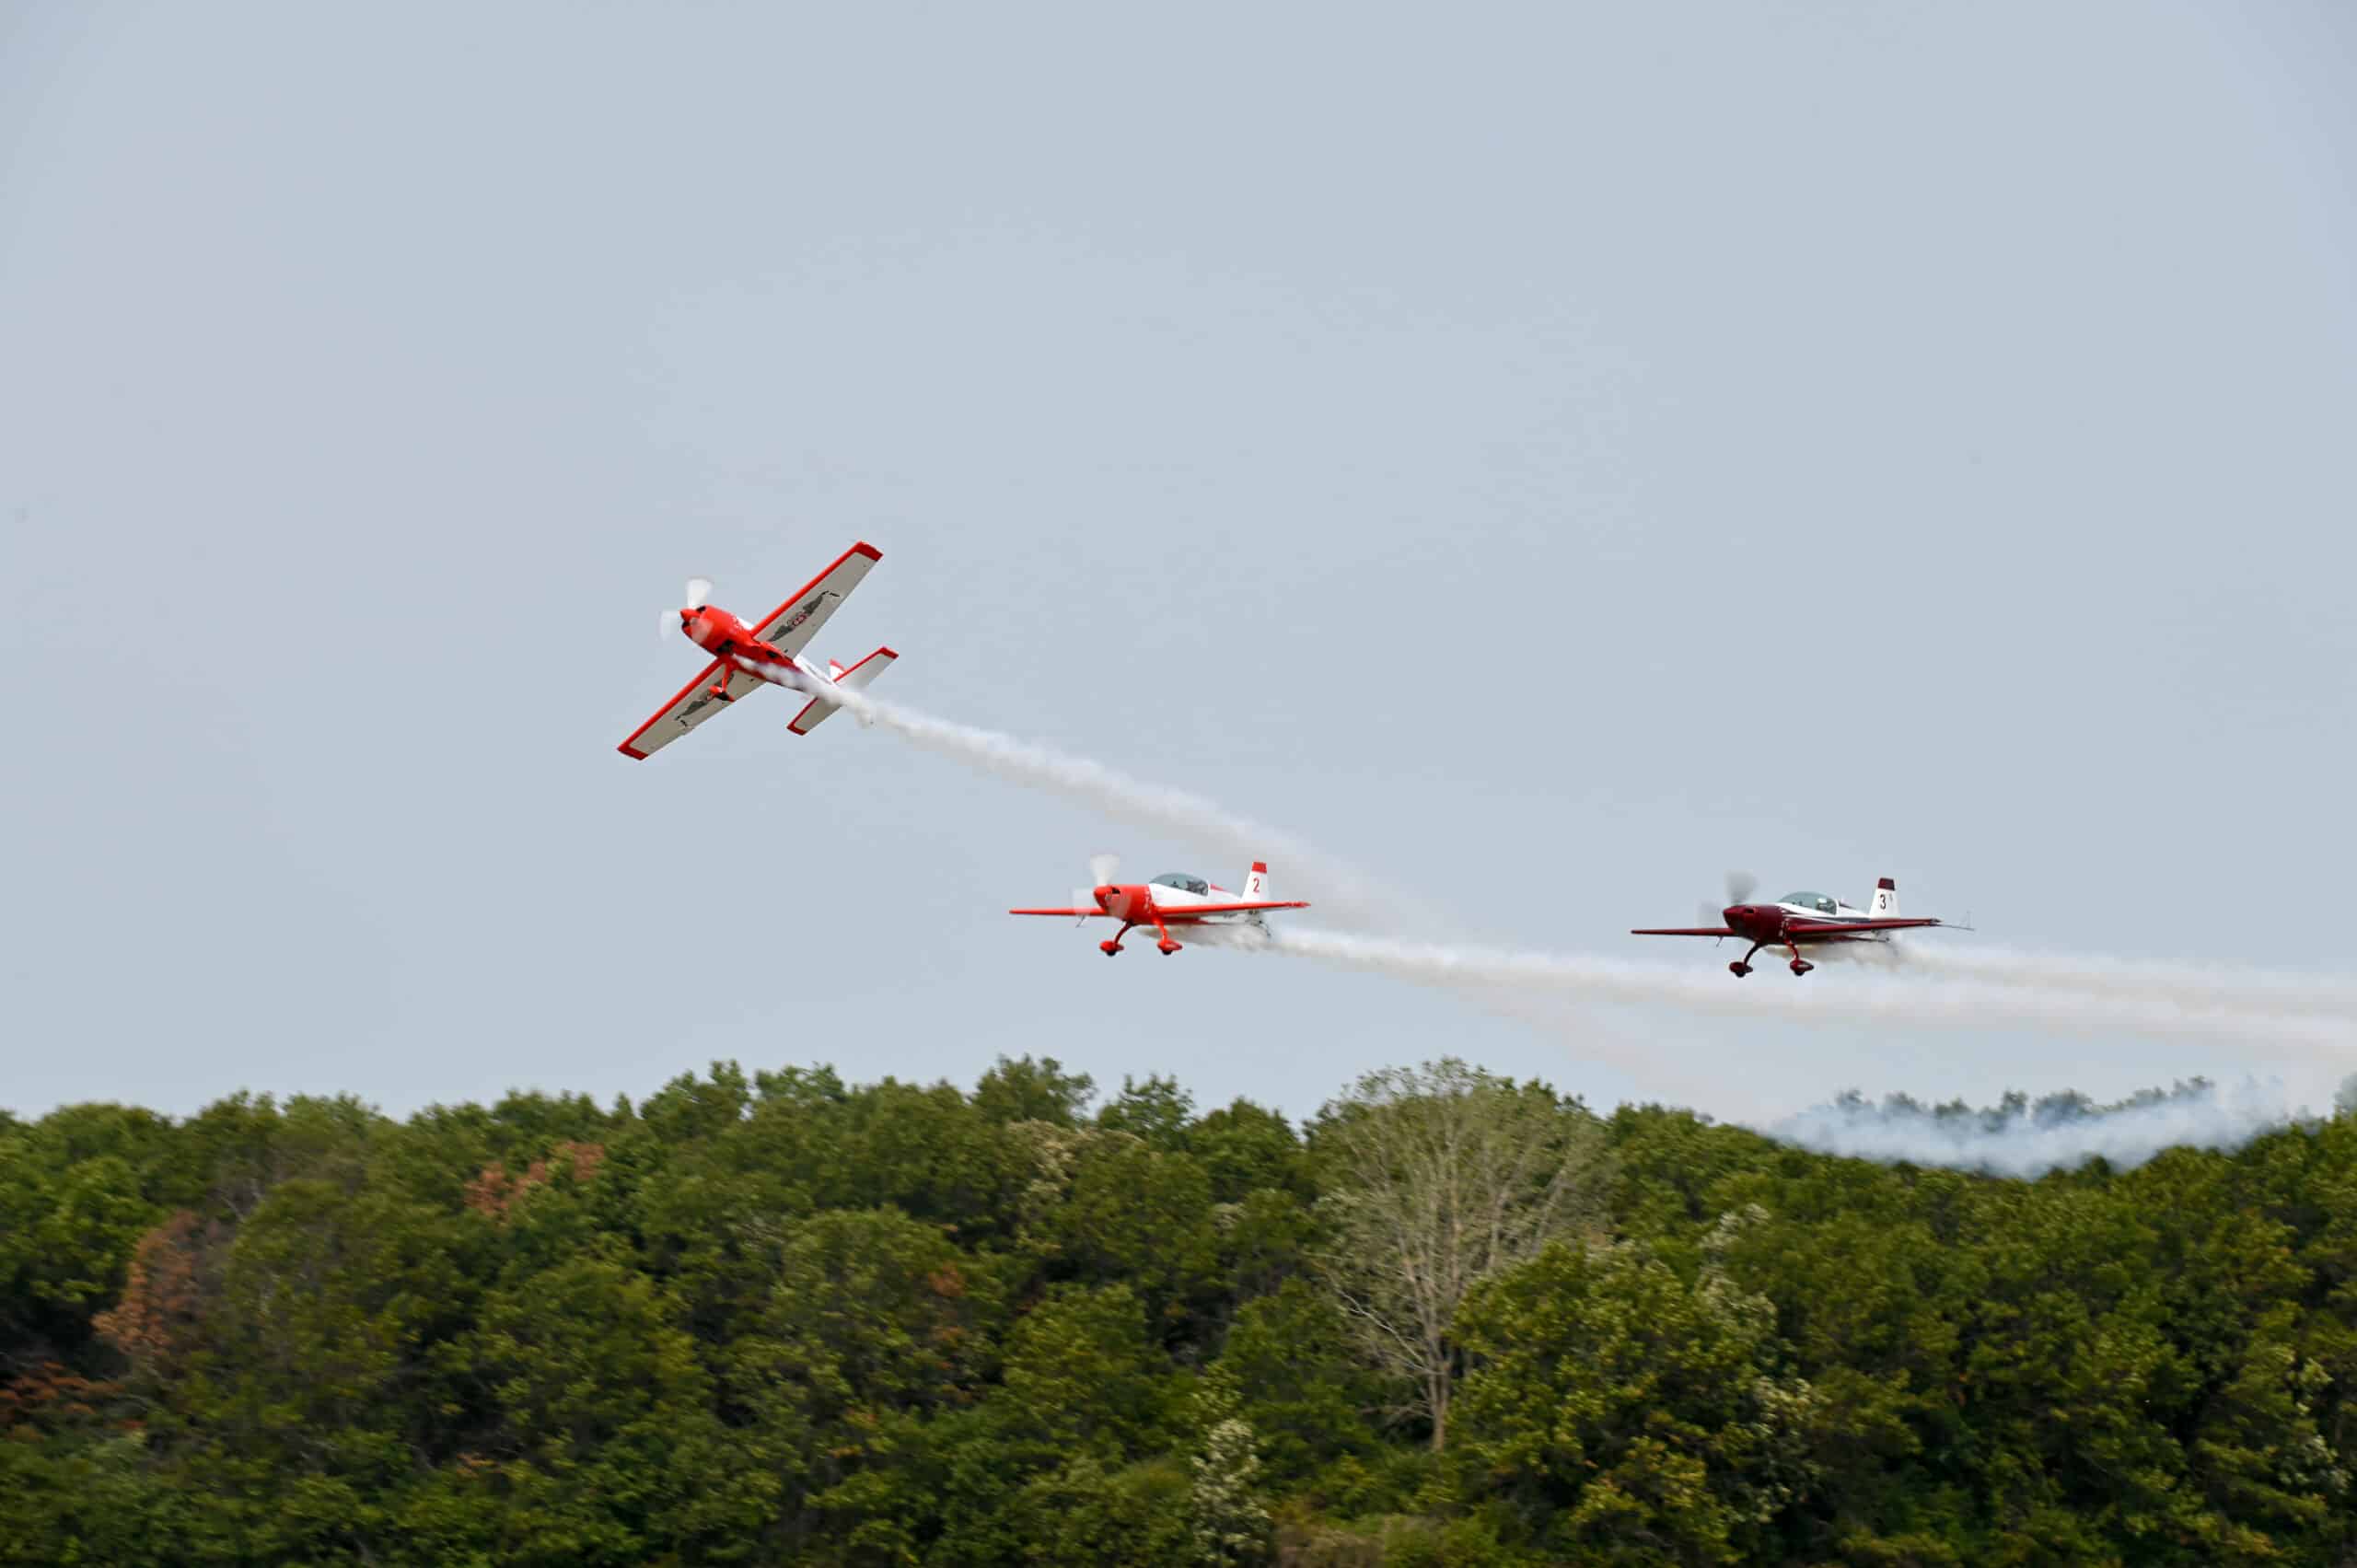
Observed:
{"x":1548,"y":454}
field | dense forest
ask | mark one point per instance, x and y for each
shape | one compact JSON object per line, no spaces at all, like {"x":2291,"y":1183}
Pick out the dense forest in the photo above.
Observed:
{"x":1450,"y":1320}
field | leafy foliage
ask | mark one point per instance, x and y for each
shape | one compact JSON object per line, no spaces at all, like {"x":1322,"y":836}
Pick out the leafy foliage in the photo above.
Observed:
{"x":775,"y":1318}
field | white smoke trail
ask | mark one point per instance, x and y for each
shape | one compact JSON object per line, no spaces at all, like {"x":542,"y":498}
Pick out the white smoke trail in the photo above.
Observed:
{"x":2023,"y":1139}
{"x":2213,"y":985}
{"x":1942,"y":988}
{"x":1340,"y":892}
{"x":1866,"y":997}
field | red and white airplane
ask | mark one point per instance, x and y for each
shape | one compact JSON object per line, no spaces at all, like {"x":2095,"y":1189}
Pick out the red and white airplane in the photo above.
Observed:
{"x":745,"y":658}
{"x":1172,"y":899}
{"x":1797,"y":918}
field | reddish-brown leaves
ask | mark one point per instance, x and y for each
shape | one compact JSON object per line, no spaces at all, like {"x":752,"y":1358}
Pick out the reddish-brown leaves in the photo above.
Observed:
{"x":156,"y":1322}
{"x":495,"y":1192}
{"x":50,"y":1396}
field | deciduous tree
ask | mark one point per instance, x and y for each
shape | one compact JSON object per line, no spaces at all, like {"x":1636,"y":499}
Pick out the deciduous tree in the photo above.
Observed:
{"x":1436,"y":1178}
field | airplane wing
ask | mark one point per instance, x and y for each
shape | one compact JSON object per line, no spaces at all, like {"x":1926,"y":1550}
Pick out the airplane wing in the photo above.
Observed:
{"x":1792,"y":928}
{"x":790,"y":625}
{"x":689,"y":709}
{"x":1182,"y":913}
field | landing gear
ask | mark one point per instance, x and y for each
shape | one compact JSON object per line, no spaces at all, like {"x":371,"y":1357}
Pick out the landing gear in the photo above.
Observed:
{"x":1164,"y":943}
{"x":720,"y":692}
{"x":1742,"y":966}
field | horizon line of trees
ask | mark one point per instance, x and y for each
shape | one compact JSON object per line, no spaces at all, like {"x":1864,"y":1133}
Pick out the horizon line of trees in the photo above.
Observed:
{"x":1451,"y":1318}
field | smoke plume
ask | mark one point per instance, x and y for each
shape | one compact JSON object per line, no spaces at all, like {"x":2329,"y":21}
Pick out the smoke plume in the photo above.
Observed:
{"x":1343,"y":892}
{"x":2025,"y":1138}
{"x":2312,"y":1019}
{"x":1864,"y":998}
{"x":2195,"y":985}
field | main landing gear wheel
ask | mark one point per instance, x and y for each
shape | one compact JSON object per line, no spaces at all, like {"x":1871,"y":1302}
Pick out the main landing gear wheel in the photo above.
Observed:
{"x":1802,"y":966}
{"x":1110,"y":950}
{"x":1738,"y":969}
{"x":1167,"y":947}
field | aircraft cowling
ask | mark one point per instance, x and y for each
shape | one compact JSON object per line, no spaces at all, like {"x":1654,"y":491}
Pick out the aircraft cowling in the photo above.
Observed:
{"x":1762,"y":923}
{"x":1124,"y":900}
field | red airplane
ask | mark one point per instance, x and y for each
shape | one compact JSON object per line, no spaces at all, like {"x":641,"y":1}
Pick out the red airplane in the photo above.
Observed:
{"x":1171,"y":899}
{"x":746,"y":658}
{"x":1795,"y":919}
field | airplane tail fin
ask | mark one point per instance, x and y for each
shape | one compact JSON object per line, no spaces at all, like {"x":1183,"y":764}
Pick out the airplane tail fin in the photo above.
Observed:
{"x":1885,"y":904}
{"x":856,"y":679}
{"x":1255,"y":888}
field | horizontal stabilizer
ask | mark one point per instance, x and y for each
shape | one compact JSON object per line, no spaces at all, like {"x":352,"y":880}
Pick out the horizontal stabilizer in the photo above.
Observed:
{"x":856,"y":679}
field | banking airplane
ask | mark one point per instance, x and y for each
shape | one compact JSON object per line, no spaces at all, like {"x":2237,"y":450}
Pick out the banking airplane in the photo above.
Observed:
{"x":1795,"y":919}
{"x":745,"y":658}
{"x":1172,"y":899}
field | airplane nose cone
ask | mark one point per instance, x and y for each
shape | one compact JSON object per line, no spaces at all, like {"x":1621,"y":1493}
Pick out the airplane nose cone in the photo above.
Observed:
{"x":1736,"y":914}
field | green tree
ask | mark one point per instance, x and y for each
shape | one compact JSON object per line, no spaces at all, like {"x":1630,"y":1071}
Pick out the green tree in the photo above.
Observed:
{"x":1025,"y":1090}
{"x":1624,"y":1415}
{"x":599,"y":1435}
{"x":1245,"y":1149}
{"x":1301,"y":1383}
{"x":1157,"y":1112}
{"x":872,"y":1317}
{"x":1134,"y":1214}
{"x":1228,"y":1521}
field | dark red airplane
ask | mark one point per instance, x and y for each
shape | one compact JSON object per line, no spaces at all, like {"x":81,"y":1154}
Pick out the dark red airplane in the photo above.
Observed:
{"x":1797,"y":918}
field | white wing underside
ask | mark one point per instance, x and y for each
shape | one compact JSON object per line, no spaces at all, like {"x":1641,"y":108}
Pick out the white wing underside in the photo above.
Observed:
{"x":788,"y":629}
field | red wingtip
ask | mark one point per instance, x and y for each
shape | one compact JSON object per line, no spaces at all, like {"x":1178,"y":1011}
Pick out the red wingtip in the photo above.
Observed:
{"x":627,"y":750}
{"x":864,"y":548}
{"x":886,"y":653}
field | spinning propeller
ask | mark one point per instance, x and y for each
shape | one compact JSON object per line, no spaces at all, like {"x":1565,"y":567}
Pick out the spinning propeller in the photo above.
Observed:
{"x":1102,"y":869}
{"x":1741,"y":885}
{"x":699,"y":594}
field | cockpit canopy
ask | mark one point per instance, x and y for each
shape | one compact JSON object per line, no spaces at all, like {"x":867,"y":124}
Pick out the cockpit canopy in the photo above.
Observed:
{"x":1820,"y":902}
{"x":1181,"y":881}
